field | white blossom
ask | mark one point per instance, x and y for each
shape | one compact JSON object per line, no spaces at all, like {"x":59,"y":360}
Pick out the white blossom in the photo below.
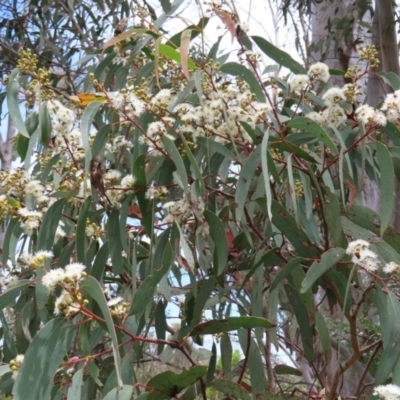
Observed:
{"x":391,"y":268}
{"x":356,"y":246}
{"x":128,"y":181}
{"x":299,"y":82}
{"x":53,"y":278}
{"x":114,"y":301}
{"x":387,"y":392}
{"x":74,"y":271}
{"x":333,"y":96}
{"x":319,"y":71}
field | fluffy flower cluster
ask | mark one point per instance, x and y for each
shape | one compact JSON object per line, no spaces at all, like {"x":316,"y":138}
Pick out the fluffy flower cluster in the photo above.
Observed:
{"x":30,"y":220}
{"x":318,"y":71}
{"x":387,"y":392}
{"x":69,"y":279}
{"x":362,"y":256}
{"x":63,"y":120}
{"x":391,"y":107}
{"x":182,"y":210}
{"x":367,"y":114}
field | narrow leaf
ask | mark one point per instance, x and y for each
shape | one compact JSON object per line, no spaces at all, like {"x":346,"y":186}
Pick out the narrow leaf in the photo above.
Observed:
{"x":12,"y":102}
{"x":42,"y":359}
{"x":278,"y":55}
{"x":94,"y":290}
{"x":230,"y":324}
{"x":318,"y":268}
{"x":386,"y":184}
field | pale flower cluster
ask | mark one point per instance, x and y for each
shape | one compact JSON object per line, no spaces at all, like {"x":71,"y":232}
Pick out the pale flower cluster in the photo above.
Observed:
{"x":182,"y":210}
{"x":362,"y":256}
{"x":387,"y":392}
{"x":128,"y":102}
{"x":30,"y":220}
{"x":66,"y":139}
{"x":391,"y":107}
{"x":68,"y":279}
{"x":318,"y":71}
{"x":367,"y":114}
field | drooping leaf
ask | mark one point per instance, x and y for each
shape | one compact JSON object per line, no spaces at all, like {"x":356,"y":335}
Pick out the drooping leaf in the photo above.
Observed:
{"x":242,"y":72}
{"x":90,"y":286}
{"x":75,"y":390}
{"x":301,"y":313}
{"x":318,"y":268}
{"x":278,"y":55}
{"x":49,"y":225}
{"x":12,"y":102}
{"x":308,"y":125}
{"x":217,"y":232}
{"x":174,"y":55}
{"x":8,"y":296}
{"x":386,"y":184}
{"x":170,"y":384}
{"x":43,"y":357}
{"x":145,"y":292}
{"x":282,"y":369}
{"x":230,"y":388}
{"x":245,"y":178}
{"x":230,"y":324}
{"x":114,"y":241}
{"x":124,"y":394}
{"x":391,"y":79}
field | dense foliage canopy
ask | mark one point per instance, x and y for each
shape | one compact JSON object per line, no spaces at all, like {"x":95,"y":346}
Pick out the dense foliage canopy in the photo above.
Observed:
{"x":182,"y":203}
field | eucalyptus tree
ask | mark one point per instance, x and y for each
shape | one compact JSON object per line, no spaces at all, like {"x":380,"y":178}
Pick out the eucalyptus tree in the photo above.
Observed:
{"x":171,"y":186}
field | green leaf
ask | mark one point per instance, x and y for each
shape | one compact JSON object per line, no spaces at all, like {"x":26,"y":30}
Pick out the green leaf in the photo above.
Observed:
{"x":42,"y":359}
{"x":175,"y":55}
{"x":49,"y":225}
{"x":145,"y":292}
{"x":391,"y":79}
{"x":139,"y":172}
{"x":87,"y":119}
{"x":282,"y":369}
{"x":255,"y":364}
{"x":308,"y":125}
{"x":279,"y":56}
{"x":90,"y":286}
{"x":332,"y":214}
{"x":230,"y":388}
{"x":7,"y":297}
{"x":245,"y":178}
{"x":45,"y":126}
{"x":242,"y":72}
{"x":386,"y":184}
{"x":217,"y":232}
{"x":171,"y":384}
{"x":285,"y":271}
{"x":133,"y":32}
{"x":114,"y":241}
{"x":301,"y":313}
{"x":318,"y":268}
{"x":81,"y":238}
{"x":177,"y":159}
{"x":226,"y":355}
{"x":124,"y":394}
{"x":391,"y":352}
{"x":22,"y":146}
{"x":266,"y":174}
{"x":75,"y":390}
{"x":195,"y":29}
{"x":12,"y":102}
{"x":230,"y":324}
{"x":166,"y":5}
{"x":212,"y":364}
